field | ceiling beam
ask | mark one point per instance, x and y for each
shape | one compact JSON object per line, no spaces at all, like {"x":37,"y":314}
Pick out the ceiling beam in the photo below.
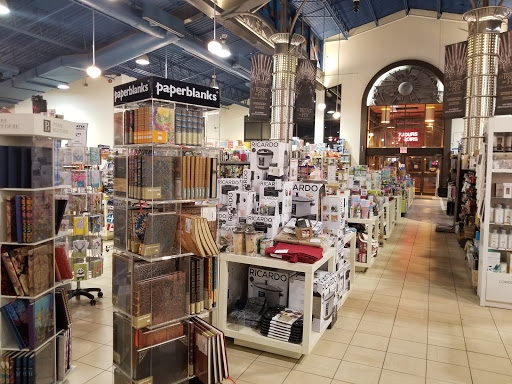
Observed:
{"x":372,"y":12}
{"x":438,"y":9}
{"x":39,"y":37}
{"x":406,"y":7}
{"x":336,"y":16}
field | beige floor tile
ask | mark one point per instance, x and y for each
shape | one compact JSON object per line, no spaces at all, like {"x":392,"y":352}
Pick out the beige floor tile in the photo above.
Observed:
{"x":99,"y":358}
{"x":474,"y":310}
{"x":378,"y":329}
{"x":501,"y":314}
{"x":101,"y":335}
{"x":354,"y":313}
{"x":444,"y":307}
{"x":429,"y":381}
{"x":347,"y":323}
{"x":379,"y":317}
{"x":417,"y":313}
{"x":105,"y":377}
{"x":411,"y":303}
{"x":298,"y":377}
{"x":318,"y":365}
{"x":238,"y":365}
{"x":393,"y":377}
{"x":486,"y":347}
{"x":483,"y":334}
{"x":485,"y":377}
{"x":282,"y":361}
{"x":330,"y":349}
{"x":356,"y":303}
{"x":445,"y":328}
{"x":447,"y":355}
{"x":81,"y":327}
{"x":357,"y":373}
{"x":392,"y":301}
{"x":366,"y":340}
{"x":405,"y":364}
{"x":444,"y":317}
{"x":408,"y":348}
{"x":354,"y":294}
{"x":263,"y":373}
{"x":411,"y":334}
{"x":448,"y":372}
{"x":338,"y":335}
{"x":246,"y":353}
{"x":446,"y":341}
{"x":365,"y":356}
{"x":478,"y":322}
{"x":83,"y":373}
{"x":381,"y":307}
{"x":490,"y":363}
{"x":410,"y":322}
{"x":82,"y":347}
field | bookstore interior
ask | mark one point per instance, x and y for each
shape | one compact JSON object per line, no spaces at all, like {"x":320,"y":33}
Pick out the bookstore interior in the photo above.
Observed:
{"x":255,"y":192}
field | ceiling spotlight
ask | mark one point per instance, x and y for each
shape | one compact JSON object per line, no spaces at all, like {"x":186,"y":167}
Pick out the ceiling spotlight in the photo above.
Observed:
{"x":213,"y":83}
{"x":224,"y":49}
{"x":214,"y":46}
{"x":336,"y":115}
{"x":321,"y":106}
{"x":63,"y":86}
{"x":142,"y":60}
{"x":93,"y":72}
{"x":330,"y":112}
{"x":4,"y":8}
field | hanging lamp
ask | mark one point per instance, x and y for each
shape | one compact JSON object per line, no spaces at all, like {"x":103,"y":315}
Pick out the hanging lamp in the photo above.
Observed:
{"x":93,"y":71}
{"x":214,"y":46}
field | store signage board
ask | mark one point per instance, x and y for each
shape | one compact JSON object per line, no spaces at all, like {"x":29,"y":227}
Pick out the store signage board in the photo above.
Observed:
{"x":166,"y":90}
{"x":407,"y":137}
{"x":403,"y":149}
{"x":504,"y":83}
{"x":455,"y":64}
{"x":28,"y":124}
{"x":80,"y":139}
{"x":305,"y":94}
{"x":261,"y":84}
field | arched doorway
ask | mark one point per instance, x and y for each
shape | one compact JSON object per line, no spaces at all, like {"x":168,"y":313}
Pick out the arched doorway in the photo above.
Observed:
{"x":402,"y":122}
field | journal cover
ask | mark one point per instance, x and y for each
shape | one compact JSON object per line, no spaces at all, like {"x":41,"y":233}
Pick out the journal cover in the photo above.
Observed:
{"x":25,"y":168}
{"x":16,"y":316}
{"x":7,"y":263}
{"x":41,"y":321}
{"x":43,"y":222}
{"x":120,"y":176}
{"x":160,"y":234}
{"x":62,"y":262}
{"x":121,"y":282}
{"x":40,"y":269}
{"x":40,"y":167}
{"x":3,"y":171}
{"x":13,"y":167}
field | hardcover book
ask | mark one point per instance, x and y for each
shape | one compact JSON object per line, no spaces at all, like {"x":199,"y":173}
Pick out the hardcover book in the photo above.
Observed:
{"x":160,"y":234}
{"x":43,"y":221}
{"x":41,"y":321}
{"x":16,"y":316}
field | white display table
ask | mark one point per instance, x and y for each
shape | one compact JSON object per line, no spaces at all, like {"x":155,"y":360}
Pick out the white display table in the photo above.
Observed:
{"x":372,"y":226}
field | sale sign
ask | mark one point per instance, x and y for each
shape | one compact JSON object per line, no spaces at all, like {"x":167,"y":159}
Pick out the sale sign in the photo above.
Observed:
{"x":407,"y":137}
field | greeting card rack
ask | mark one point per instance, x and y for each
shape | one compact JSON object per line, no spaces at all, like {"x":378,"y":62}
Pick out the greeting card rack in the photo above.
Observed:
{"x":34,"y":326}
{"x":84,"y":216}
{"x":164,"y":248}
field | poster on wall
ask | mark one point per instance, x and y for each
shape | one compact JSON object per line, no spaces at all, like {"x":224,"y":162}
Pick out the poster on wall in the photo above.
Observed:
{"x":261,"y":84}
{"x":315,"y":49}
{"x":80,"y":139}
{"x":455,"y":71}
{"x":504,"y":84}
{"x":305,"y":91}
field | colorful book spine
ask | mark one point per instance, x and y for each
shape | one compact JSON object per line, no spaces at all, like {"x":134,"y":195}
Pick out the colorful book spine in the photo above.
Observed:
{"x":28,"y":211}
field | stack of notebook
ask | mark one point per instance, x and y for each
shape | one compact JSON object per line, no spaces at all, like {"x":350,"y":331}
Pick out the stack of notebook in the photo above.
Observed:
{"x":149,"y":124}
{"x":199,"y":177}
{"x":283,"y":324}
{"x":207,"y":352}
{"x":30,"y":269}
{"x":25,"y":167}
{"x":196,"y":236}
{"x":29,"y":218}
{"x":18,"y":367}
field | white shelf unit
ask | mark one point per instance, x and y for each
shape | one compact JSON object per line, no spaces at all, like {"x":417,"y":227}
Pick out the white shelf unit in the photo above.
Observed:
{"x":249,"y":337}
{"x":494,"y":288}
{"x":25,"y":130}
{"x":372,"y":227}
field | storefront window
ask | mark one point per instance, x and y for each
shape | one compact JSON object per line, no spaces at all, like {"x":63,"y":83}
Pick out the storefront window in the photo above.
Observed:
{"x":411,"y":125}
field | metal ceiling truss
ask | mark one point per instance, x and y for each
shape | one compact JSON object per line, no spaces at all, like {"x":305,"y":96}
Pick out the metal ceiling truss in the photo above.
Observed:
{"x":336,"y":16}
{"x":372,"y":12}
{"x":406,"y":7}
{"x":438,"y":9}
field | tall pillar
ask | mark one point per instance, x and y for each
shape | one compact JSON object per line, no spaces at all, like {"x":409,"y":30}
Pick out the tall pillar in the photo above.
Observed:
{"x":319,"y":118}
{"x":484,"y":26}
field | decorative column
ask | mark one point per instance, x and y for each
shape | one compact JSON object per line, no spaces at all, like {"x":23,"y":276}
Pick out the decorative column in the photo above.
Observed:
{"x":484,"y":26}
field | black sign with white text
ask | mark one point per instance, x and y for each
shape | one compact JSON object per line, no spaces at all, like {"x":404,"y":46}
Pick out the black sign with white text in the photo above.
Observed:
{"x":166,"y":89}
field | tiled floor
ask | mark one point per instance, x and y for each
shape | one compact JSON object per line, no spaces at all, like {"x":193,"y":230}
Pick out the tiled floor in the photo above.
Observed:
{"x":411,"y":319}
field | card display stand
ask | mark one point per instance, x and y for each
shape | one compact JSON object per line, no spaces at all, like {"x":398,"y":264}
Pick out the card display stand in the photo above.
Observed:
{"x":164,"y":249}
{"x":27,"y":245}
{"x":84,"y":216}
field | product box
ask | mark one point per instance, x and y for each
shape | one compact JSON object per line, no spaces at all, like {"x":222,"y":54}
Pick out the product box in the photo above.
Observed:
{"x":493,"y":261}
{"x":280,"y":192}
{"x":306,"y":199}
{"x":324,"y":299}
{"x":331,"y":214}
{"x":227,"y":217}
{"x":270,"y":283}
{"x":266,"y":154}
{"x":296,"y":292}
{"x":224,"y":186}
{"x":270,"y":225}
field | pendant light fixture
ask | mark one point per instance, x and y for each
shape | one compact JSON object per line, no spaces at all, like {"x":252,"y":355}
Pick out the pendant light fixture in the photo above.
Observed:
{"x":224,"y":49}
{"x":337,"y":114}
{"x":213,"y":83}
{"x":214,"y":46}
{"x":430,"y":114}
{"x":385,"y":117}
{"x":4,"y":8}
{"x":93,"y":71}
{"x":321,"y":106}
{"x":142,"y":60}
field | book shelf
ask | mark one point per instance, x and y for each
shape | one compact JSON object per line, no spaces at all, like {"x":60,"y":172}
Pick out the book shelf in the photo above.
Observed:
{"x":494,"y":256}
{"x":80,"y":174}
{"x":165,"y":253}
{"x":38,"y":342}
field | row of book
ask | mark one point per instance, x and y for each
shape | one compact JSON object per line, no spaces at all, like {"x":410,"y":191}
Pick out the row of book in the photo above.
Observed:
{"x":29,"y":218}
{"x":28,"y":367}
{"x":157,"y":124}
{"x":203,"y":284}
{"x":30,"y":323}
{"x":196,"y":236}
{"x":29,"y":270}
{"x":64,"y":317}
{"x":25,"y":167}
{"x":199,"y":176}
{"x":64,"y":355}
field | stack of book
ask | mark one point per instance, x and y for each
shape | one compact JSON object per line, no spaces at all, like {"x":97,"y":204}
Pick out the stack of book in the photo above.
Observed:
{"x":199,"y":177}
{"x":29,"y":269}
{"x":149,"y":124}
{"x":189,"y":127}
{"x":29,"y":218}
{"x":63,"y":354}
{"x":18,"y":367}
{"x":203,"y":280}
{"x":25,"y":167}
{"x":207,"y":352}
{"x":31,"y":323}
{"x":196,"y":236}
